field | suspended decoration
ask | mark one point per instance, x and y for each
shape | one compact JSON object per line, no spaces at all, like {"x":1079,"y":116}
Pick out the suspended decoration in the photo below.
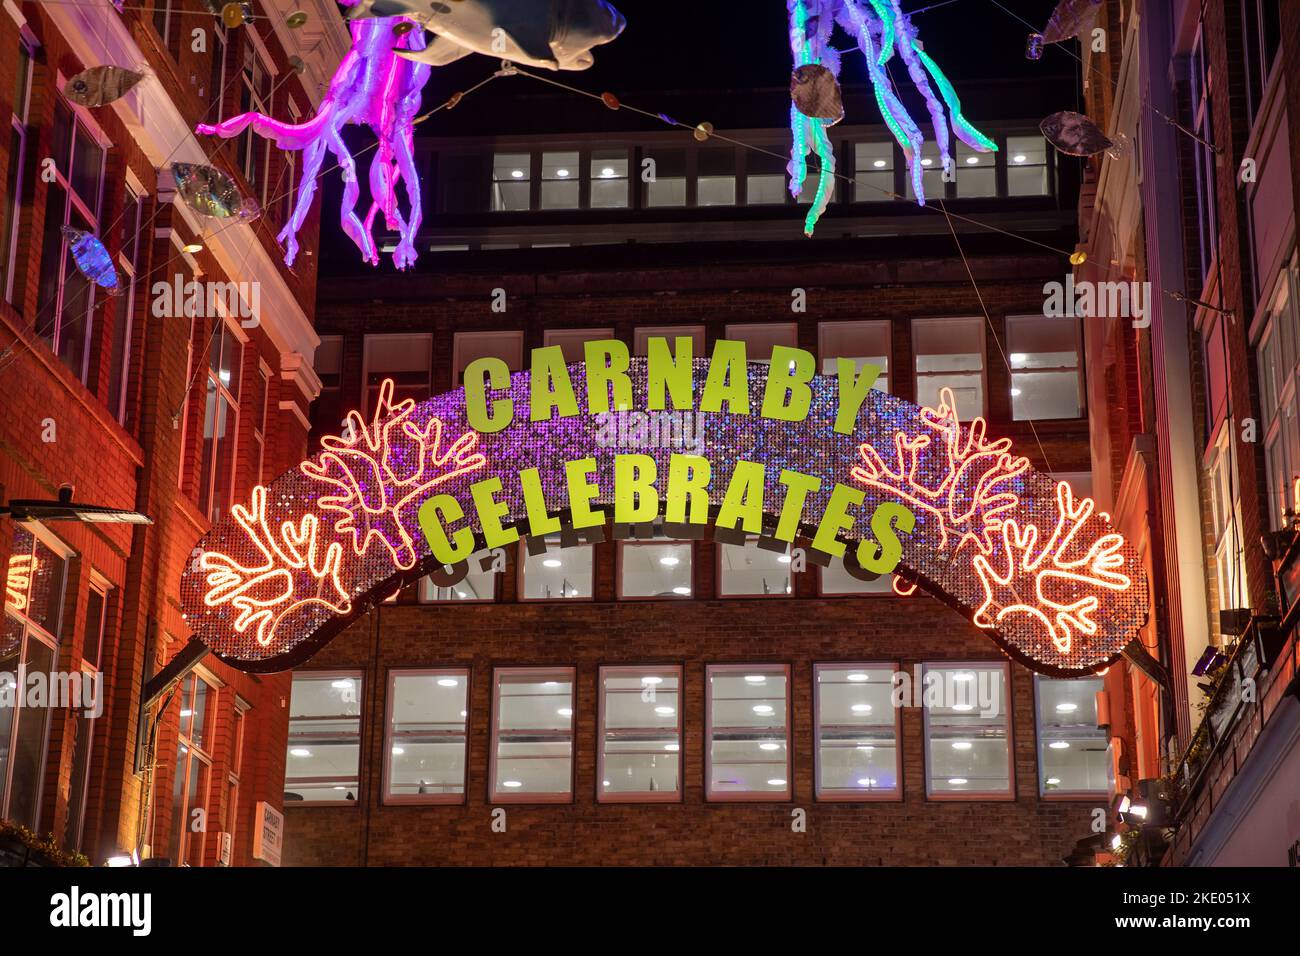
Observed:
{"x":236,"y":14}
{"x":101,"y":85}
{"x":1034,"y":47}
{"x":92,"y":259}
{"x":881,"y":31}
{"x":554,"y":34}
{"x":1073,"y":134}
{"x":816,"y":93}
{"x":210,"y":192}
{"x":379,"y":85}
{"x":1069,"y":19}
{"x":296,"y":20}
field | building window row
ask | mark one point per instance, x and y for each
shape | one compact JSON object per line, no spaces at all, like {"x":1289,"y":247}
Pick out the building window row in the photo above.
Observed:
{"x":710,"y":176}
{"x":1044,"y":355}
{"x":640,"y":734}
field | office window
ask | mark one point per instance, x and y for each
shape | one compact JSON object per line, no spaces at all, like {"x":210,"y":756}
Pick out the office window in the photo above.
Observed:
{"x":1225,"y":502}
{"x":931,"y":172}
{"x":658,"y":568}
{"x":715,"y":182}
{"x":571,"y":341}
{"x":220,"y":422}
{"x":873,"y":172}
{"x":324,"y":738}
{"x":66,"y":298}
{"x":760,"y":338}
{"x":1027,"y":166}
{"x":643,"y":334}
{"x":835,"y":579}
{"x":746,"y":737}
{"x":949,"y":353}
{"x":124,"y":308}
{"x":14,"y":185}
{"x":328,"y":409}
{"x":1046,"y":378}
{"x":1278,"y":394}
{"x":1202,"y":124}
{"x":532,"y":735}
{"x":560,"y":180}
{"x":977,"y":173}
{"x":425,"y":748}
{"x":748,"y":570}
{"x":765,"y":178}
{"x":191,"y":777}
{"x":640,"y":735}
{"x":668,"y":187}
{"x":477,"y":585}
{"x":856,"y":732}
{"x":80,"y":726}
{"x":866,"y":343}
{"x":261,"y":401}
{"x":609,"y":179}
{"x":1073,"y":754}
{"x":559,"y":573}
{"x":967,"y":737}
{"x":511,"y":188}
{"x":406,"y":359}
{"x":29,"y":638}
{"x":1261,"y":39}
{"x":471,"y":346}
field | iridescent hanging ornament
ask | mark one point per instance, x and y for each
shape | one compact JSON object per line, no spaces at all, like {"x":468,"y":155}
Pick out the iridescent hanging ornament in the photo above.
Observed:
{"x":379,"y":83}
{"x":101,"y":85}
{"x":882,"y":31}
{"x":816,"y":93}
{"x":1069,"y":19}
{"x":210,"y":192}
{"x":92,"y":259}
{"x":1073,"y":134}
{"x":1034,"y":46}
{"x":236,"y":14}
{"x":296,"y":20}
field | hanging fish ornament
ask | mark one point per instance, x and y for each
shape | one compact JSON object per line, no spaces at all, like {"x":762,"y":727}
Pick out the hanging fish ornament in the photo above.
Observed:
{"x":210,"y":192}
{"x":92,"y":259}
{"x":1075,"y":135}
{"x":1069,"y":19}
{"x":816,"y":93}
{"x":100,"y":85}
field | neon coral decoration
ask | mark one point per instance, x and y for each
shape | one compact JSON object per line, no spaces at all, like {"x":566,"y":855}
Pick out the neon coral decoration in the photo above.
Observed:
{"x":1041,"y":572}
{"x":379,"y":89}
{"x":384,"y":471}
{"x":880,"y":29}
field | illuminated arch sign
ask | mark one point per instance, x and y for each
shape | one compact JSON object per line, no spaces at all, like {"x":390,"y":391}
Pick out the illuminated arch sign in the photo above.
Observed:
{"x":776,"y":450}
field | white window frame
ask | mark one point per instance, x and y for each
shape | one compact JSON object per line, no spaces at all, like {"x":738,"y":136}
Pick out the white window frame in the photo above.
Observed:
{"x":786,"y":794}
{"x":440,"y":798}
{"x":967,"y":414}
{"x":510,"y":796}
{"x":894,"y":795}
{"x":990,"y":796}
{"x":355,"y":674}
{"x":638,"y":796}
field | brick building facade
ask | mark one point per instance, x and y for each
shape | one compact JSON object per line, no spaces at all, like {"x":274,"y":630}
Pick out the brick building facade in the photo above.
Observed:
{"x":879,"y":270}
{"x":107,"y":395}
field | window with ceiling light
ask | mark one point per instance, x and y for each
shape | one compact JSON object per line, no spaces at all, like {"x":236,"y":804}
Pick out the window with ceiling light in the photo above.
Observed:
{"x":609,"y":179}
{"x":754,"y":570}
{"x":856,"y":732}
{"x":556,"y":574}
{"x":949,"y":353}
{"x":324,"y":759}
{"x":666,"y":186}
{"x":976,"y":172}
{"x":873,"y":172}
{"x":1073,"y":752}
{"x":640,"y":736}
{"x":656,"y":567}
{"x":1046,"y":367}
{"x":931,"y":172}
{"x":476,"y":585}
{"x":192,"y":773}
{"x":511,"y":182}
{"x":531,"y":759}
{"x":561,"y":178}
{"x":967,"y":731}
{"x":747,"y":732}
{"x":426,"y":743}
{"x":764,"y":179}
{"x":1029,"y":170}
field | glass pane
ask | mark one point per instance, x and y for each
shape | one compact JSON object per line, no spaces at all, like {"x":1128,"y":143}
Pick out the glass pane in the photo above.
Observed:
{"x":866,"y":343}
{"x":34,"y":586}
{"x":609,"y":177}
{"x":427,"y":734}
{"x":29,"y":741}
{"x":660,"y":569}
{"x":560,"y":180}
{"x":82,"y":730}
{"x":1073,"y":754}
{"x":94,"y":632}
{"x":1040,"y":395}
{"x":857,"y":752}
{"x":559,"y":573}
{"x":668,"y":188}
{"x":836,"y":579}
{"x":510,"y":181}
{"x":533,"y":732}
{"x":640,"y":733}
{"x":200,"y":728}
{"x":931,"y":172}
{"x":477,"y":585}
{"x":197,"y":799}
{"x":967,"y":750}
{"x":754,"y":570}
{"x":324,"y":734}
{"x":748,"y":745}
{"x":1027,"y":165}
{"x":873,"y":171}
{"x":87,"y":163}
{"x":11,"y":644}
{"x":405,"y":359}
{"x":976,"y":172}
